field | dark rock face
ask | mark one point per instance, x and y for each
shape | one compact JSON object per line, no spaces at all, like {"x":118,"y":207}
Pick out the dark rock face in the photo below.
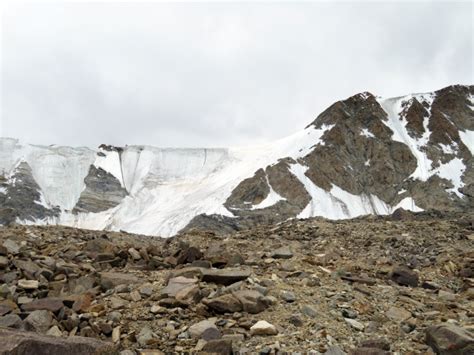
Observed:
{"x":360,"y":156}
{"x":103,"y":191}
{"x":26,"y":343}
{"x":22,"y":198}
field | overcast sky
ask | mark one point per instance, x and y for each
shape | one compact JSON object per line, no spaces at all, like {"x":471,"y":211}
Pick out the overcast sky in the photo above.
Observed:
{"x":215,"y":74}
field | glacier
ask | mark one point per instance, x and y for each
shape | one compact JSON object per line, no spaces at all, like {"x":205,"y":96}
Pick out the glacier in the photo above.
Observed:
{"x":167,"y":187}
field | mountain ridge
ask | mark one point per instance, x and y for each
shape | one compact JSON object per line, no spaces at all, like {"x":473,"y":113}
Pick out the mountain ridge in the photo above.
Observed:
{"x":362,"y":155}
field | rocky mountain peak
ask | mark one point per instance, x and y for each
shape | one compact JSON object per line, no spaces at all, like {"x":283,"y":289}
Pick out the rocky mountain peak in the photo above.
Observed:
{"x":362,"y":155}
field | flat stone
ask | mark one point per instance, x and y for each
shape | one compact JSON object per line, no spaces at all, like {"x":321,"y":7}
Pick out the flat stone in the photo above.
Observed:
{"x":11,"y":246}
{"x":398,"y":314}
{"x":282,"y":253}
{"x":196,"y":330}
{"x":224,"y":304}
{"x":117,"y":303}
{"x":218,"y":346}
{"x":378,"y":343}
{"x":369,"y":351}
{"x":27,"y":266}
{"x":177,"y":284}
{"x":334,"y":350}
{"x":49,"y":304}
{"x":28,"y":284}
{"x":446,"y":296}
{"x":188,"y":294}
{"x":449,"y":339}
{"x":354,"y":324}
{"x":262,"y":327}
{"x":224,"y":276}
{"x":24,"y":343}
{"x":11,"y":321}
{"x":111,"y":279}
{"x":252,"y":301}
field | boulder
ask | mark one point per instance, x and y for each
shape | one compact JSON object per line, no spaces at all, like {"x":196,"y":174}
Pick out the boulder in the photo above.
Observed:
{"x":39,"y":321}
{"x":49,"y":304}
{"x":252,"y":301}
{"x":224,"y":304}
{"x":218,"y":346}
{"x":26,"y":343}
{"x":404,"y":276}
{"x":111,"y":279}
{"x":197,"y":330}
{"x":282,"y":253}
{"x":224,"y":276}
{"x":178,"y":284}
{"x":449,"y":339}
{"x":262,"y":327}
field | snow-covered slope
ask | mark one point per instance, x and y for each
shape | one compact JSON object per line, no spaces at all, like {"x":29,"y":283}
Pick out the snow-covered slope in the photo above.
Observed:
{"x":160,"y":190}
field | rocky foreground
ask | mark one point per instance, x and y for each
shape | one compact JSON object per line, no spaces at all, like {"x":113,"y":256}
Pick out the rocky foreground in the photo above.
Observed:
{"x":402,"y":284}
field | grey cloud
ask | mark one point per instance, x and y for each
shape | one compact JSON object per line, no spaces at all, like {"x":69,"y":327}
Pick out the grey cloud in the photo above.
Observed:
{"x":195,"y":74}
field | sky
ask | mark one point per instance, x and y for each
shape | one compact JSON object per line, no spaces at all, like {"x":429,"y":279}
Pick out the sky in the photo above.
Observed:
{"x":214,"y":74}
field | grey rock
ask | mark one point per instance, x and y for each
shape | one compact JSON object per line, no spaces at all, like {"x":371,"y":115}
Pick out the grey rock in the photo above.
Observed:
{"x":404,"y":276}
{"x":309,"y":311}
{"x":224,"y":276}
{"x":218,"y":346}
{"x":196,"y":330}
{"x":177,"y":284}
{"x":103,"y":191}
{"x":11,"y":321}
{"x":449,"y":339}
{"x":11,"y":246}
{"x":39,"y":321}
{"x":26,"y":343}
{"x":145,"y":335}
{"x":111,"y":279}
{"x":282,"y":253}
{"x":288,"y":296}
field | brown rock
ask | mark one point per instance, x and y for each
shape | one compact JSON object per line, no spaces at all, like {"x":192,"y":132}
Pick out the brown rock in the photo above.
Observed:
{"x":224,"y":276}
{"x":449,"y":339}
{"x":224,"y":304}
{"x":218,"y":346}
{"x":404,"y":276}
{"x":49,"y":304}
{"x":26,"y":343}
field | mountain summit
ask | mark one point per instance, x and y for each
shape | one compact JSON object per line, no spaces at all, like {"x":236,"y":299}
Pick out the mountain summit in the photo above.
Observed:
{"x":363,"y":155}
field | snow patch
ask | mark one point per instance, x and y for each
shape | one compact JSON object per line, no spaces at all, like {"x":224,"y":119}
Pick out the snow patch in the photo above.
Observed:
{"x":109,"y":161}
{"x":449,"y":149}
{"x":336,"y":203}
{"x":397,"y":125}
{"x":467,"y":137}
{"x":365,"y":132}
{"x":452,"y":171}
{"x":272,"y":198}
{"x":408,"y":204}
